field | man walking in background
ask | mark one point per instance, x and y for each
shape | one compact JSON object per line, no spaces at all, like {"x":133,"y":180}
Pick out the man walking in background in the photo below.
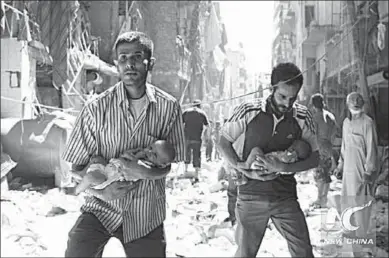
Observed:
{"x":325,"y":125}
{"x":195,"y":121}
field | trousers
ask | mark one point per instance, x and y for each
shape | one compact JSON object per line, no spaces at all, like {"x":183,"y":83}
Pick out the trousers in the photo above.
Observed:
{"x":88,"y":237}
{"x":253,"y":213}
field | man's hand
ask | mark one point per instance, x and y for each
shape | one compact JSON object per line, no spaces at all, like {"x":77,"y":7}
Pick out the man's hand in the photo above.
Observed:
{"x":270,"y":165}
{"x":114,"y":191}
{"x":367,"y":179}
{"x":77,"y":175}
{"x":261,"y":175}
{"x":241,"y":167}
{"x":130,"y":156}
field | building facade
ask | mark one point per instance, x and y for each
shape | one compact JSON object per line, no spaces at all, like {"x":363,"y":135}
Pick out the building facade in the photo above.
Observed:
{"x":324,"y":49}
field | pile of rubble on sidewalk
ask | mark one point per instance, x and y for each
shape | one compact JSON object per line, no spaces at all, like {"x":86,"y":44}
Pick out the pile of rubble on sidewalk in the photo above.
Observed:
{"x":24,"y":220}
{"x":30,"y":220}
{"x":195,"y":214}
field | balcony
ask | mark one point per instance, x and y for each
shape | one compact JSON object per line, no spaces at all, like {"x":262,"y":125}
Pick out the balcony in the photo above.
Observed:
{"x":383,"y":11}
{"x":285,"y":21}
{"x":279,"y":6}
{"x":285,"y":39}
{"x":316,"y":33}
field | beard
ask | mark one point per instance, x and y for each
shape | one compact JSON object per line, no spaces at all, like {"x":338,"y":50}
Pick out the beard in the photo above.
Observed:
{"x":355,"y":112}
{"x":279,"y":108}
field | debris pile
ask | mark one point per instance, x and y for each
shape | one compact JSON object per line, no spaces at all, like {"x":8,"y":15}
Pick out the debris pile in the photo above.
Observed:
{"x":37,"y":224}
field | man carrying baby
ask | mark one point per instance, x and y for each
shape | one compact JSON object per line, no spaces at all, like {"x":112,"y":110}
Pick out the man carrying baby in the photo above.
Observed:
{"x":100,"y":174}
{"x":271,"y":124}
{"x":130,"y":115}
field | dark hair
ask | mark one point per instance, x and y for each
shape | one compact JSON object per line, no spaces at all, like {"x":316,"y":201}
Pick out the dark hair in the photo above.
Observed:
{"x":287,"y":72}
{"x":318,"y":101}
{"x":197,"y":103}
{"x":169,"y":151}
{"x":135,"y":36}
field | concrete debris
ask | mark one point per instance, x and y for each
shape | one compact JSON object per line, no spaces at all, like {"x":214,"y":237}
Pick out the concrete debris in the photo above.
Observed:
{"x":194,"y":225}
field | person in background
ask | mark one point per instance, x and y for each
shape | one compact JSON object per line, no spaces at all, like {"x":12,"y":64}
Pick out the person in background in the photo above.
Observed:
{"x":271,"y":124}
{"x":129,"y":115}
{"x":325,"y":125}
{"x":232,"y":192}
{"x":209,"y":141}
{"x":225,"y":172}
{"x":358,"y":165}
{"x":195,"y":121}
{"x":215,"y":138}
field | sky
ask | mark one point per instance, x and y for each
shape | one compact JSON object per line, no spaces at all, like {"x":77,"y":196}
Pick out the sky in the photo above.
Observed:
{"x":250,"y":22}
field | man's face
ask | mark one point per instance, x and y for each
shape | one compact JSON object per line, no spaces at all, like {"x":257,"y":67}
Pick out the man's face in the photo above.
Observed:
{"x":131,"y":63}
{"x":284,"y":96}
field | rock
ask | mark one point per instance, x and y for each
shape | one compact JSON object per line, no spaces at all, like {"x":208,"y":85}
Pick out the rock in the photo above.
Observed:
{"x":55,"y":211}
{"x":382,"y":193}
{"x":213,"y":206}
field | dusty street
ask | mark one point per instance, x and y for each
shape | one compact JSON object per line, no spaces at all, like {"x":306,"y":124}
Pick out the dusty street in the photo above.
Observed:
{"x":28,"y":229}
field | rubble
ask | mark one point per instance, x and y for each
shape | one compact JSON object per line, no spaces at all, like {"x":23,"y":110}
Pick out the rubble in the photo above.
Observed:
{"x":194,"y":225}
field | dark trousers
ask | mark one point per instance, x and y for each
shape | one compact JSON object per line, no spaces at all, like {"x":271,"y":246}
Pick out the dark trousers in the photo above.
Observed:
{"x":193,"y":152}
{"x":253,"y":213}
{"x":217,"y":154}
{"x":232,"y":195}
{"x":209,"y":149}
{"x":88,"y":237}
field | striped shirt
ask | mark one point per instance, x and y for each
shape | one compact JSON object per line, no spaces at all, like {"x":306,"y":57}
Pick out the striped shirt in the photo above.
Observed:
{"x":105,"y":127}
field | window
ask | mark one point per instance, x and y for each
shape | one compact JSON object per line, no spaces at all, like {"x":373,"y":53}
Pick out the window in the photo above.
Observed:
{"x":309,"y":15}
{"x":122,"y":7}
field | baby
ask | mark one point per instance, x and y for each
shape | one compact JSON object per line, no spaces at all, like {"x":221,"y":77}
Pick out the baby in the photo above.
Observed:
{"x":299,"y":150}
{"x":100,"y":174}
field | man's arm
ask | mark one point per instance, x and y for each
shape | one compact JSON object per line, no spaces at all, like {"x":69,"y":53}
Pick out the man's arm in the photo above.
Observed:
{"x":228,"y":152}
{"x":230,"y":132}
{"x":133,"y":170}
{"x":82,"y":141}
{"x":342,"y":147}
{"x":175,"y":133}
{"x":311,"y":162}
{"x":206,"y":126}
{"x":371,"y":148}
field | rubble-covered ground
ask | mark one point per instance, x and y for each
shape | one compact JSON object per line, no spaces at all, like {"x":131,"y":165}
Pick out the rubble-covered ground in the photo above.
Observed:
{"x":35,"y":224}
